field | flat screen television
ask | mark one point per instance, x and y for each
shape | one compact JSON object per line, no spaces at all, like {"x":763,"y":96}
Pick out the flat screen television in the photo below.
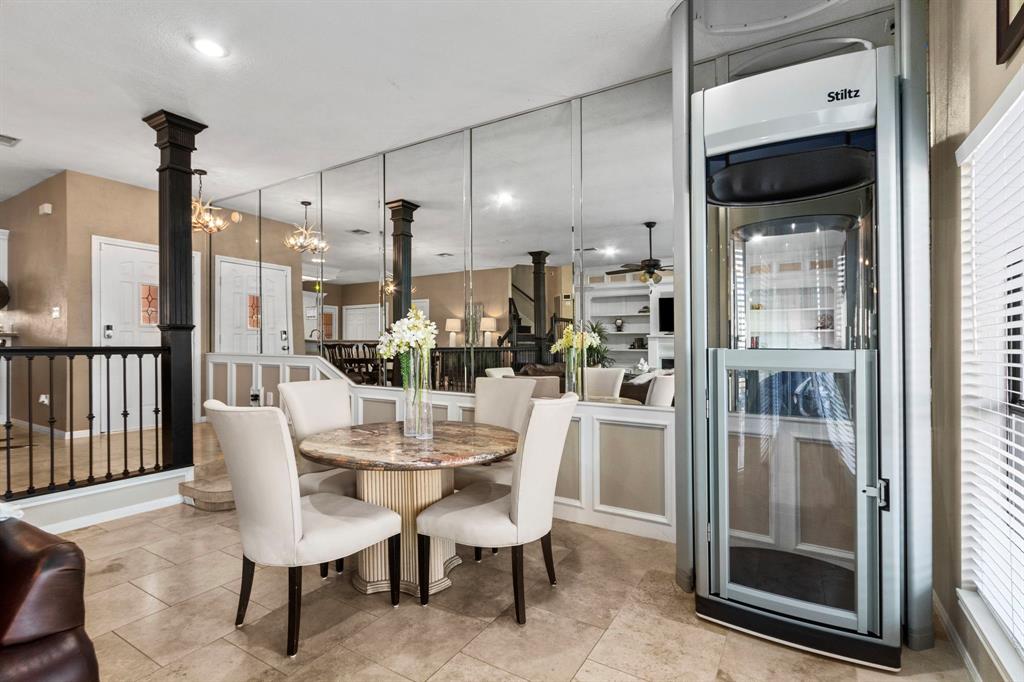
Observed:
{"x":666,"y":316}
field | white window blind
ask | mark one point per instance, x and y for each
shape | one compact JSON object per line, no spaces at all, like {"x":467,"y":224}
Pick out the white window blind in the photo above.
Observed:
{"x":992,"y":366}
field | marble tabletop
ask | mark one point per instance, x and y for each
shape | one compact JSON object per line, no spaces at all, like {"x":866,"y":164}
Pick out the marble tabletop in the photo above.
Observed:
{"x":382,"y":446}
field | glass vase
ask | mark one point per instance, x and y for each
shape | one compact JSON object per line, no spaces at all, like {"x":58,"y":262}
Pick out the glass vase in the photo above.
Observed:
{"x":419,"y":411}
{"x":572,"y":371}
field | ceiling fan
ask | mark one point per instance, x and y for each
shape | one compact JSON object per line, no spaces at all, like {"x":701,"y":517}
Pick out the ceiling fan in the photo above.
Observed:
{"x":650,"y":268}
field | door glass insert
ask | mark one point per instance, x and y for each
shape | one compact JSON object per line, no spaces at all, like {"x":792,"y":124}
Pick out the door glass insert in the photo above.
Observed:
{"x":148,"y":301}
{"x":791,"y":477}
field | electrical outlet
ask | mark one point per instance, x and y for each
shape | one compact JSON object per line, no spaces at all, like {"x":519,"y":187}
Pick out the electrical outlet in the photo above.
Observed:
{"x":44,"y":398}
{"x":269,"y":399}
{"x":254,"y":398}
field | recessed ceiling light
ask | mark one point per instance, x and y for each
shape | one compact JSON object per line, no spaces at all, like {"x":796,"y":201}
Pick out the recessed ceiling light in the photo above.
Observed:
{"x":207,"y":47}
{"x":503,"y":199}
{"x":609,"y":251}
{"x":359,"y":231}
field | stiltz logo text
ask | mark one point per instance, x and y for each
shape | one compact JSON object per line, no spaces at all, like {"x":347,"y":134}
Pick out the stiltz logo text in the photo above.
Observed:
{"x":845,"y":93}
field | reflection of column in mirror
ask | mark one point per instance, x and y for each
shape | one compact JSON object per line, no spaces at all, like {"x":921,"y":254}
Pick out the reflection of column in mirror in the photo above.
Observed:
{"x":576,"y":199}
{"x":540,"y":261}
{"x":320,"y":283}
{"x":259,"y":264}
{"x":468,"y":356}
{"x":382,"y":310}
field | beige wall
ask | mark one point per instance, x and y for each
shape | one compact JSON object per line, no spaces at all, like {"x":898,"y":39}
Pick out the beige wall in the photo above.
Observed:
{"x":51,"y":265}
{"x":964,"y":82}
{"x":446,"y":293}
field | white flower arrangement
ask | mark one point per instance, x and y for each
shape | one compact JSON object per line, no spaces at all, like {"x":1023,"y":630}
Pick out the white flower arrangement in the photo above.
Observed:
{"x":573,"y":339}
{"x":414,"y":331}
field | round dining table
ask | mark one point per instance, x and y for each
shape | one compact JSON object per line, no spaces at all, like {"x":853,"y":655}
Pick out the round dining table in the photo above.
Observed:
{"x":408,"y":475}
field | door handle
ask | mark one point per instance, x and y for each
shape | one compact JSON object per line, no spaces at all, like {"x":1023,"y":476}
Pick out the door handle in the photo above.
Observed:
{"x":285,"y":347}
{"x":108,"y":331}
{"x":880,"y":492}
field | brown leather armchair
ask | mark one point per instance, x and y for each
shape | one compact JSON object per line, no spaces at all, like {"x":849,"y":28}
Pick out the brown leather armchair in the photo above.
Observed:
{"x":42,"y":607}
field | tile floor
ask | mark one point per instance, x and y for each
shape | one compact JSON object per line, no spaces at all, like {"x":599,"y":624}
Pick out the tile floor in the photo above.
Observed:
{"x":161,"y":593}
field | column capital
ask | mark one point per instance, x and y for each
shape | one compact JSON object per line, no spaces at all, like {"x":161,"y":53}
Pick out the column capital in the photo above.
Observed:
{"x":539,"y":257}
{"x":401,"y":210}
{"x":173,"y":129}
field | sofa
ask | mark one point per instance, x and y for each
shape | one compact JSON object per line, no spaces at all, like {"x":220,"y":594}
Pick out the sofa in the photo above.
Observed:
{"x":42,"y":607}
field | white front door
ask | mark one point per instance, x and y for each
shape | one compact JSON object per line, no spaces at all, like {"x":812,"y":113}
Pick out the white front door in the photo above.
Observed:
{"x":241,"y":303}
{"x":126,"y":313}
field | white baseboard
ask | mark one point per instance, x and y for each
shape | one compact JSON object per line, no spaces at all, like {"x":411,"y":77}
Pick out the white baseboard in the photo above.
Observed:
{"x":954,"y":637}
{"x":71,"y":509}
{"x":57,"y":433}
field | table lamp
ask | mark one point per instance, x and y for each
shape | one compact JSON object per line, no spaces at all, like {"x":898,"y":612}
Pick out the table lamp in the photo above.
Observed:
{"x":452,"y":325}
{"x":488,"y":325}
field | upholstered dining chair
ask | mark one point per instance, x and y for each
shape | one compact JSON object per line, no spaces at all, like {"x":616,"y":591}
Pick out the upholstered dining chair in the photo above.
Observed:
{"x":496,"y":372}
{"x":313,"y":407}
{"x":602,"y":382}
{"x":489,"y":514}
{"x":278,"y":526}
{"x":662,"y":391}
{"x":498,"y":402}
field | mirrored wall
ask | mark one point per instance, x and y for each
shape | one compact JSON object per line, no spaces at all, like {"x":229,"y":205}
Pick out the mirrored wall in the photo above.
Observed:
{"x":505,"y":235}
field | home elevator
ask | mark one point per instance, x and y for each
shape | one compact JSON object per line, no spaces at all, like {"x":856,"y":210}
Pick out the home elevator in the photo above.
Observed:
{"x":797,"y":338}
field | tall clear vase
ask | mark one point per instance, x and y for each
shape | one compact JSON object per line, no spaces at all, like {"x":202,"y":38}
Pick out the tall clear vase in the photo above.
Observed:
{"x":419,"y":411}
{"x":572,"y":374}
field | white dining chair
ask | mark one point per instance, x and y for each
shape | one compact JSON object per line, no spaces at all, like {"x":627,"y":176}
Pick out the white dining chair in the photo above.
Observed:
{"x":489,"y":514}
{"x":498,"y":402}
{"x":602,"y":382}
{"x":278,"y":526}
{"x":662,"y":391}
{"x":496,"y":372}
{"x":314,"y":407}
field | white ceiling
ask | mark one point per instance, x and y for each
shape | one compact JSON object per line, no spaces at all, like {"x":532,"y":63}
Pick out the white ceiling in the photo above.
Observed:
{"x":308,"y":85}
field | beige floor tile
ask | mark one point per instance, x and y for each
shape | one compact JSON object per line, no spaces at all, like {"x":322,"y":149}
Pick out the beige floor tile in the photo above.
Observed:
{"x":646,"y":645}
{"x":547,"y":647}
{"x":751,"y":658}
{"x":344,"y":664}
{"x":218,"y":661}
{"x":126,"y":521}
{"x":941,"y":663}
{"x":179,"y":630}
{"x":592,"y":671}
{"x":379,"y":603}
{"x":593,"y":599}
{"x":179,"y":582}
{"x":270,"y":584}
{"x":181,"y":548}
{"x":181,"y":518}
{"x":414,"y":640}
{"x":102,"y":574}
{"x":234,"y":550}
{"x":616,"y":555}
{"x":82,"y":533}
{"x":113,"y":542}
{"x":463,"y":668}
{"x":478,"y":591}
{"x":111,"y":608}
{"x":120,"y":661}
{"x":324,"y":623}
{"x":533,"y":558}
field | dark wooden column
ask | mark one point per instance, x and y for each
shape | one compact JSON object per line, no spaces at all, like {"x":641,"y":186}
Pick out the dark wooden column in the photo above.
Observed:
{"x":401,"y":264}
{"x":175,"y":138}
{"x":540,"y":297}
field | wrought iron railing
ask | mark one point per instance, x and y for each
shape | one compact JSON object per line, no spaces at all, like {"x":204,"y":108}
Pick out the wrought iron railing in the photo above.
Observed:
{"x":106,"y":444}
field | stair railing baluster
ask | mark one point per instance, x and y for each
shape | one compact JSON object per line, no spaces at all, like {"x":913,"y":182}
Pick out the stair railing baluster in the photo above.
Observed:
{"x":156,"y":407}
{"x":142,"y":466}
{"x":110,"y":417}
{"x":31,"y":441}
{"x":71,"y":420}
{"x":90,"y":418}
{"x":8,"y":493}
{"x":124,"y":410}
{"x":51,"y":420}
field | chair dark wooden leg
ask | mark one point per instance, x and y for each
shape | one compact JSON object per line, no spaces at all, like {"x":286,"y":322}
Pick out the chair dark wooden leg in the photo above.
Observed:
{"x":294,"y":607}
{"x":323,"y":570}
{"x":478,"y":554}
{"x":517,"y":584}
{"x":395,"y":566}
{"x":248,"y":570}
{"x":549,"y":560}
{"x":339,"y":565}
{"x":423,"y":566}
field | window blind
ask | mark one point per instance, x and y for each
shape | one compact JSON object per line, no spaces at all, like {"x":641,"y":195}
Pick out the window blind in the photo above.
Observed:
{"x":992,"y":368}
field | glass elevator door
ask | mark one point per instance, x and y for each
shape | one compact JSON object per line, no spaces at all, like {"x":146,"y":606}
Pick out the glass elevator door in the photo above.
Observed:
{"x":793,"y":413}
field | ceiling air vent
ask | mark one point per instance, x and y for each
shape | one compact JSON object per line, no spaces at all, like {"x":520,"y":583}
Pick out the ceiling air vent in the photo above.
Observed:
{"x":8,"y":141}
{"x":358,"y":231}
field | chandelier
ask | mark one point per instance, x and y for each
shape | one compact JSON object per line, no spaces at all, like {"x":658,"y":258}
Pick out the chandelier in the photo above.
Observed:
{"x":203,"y":216}
{"x":306,"y":238}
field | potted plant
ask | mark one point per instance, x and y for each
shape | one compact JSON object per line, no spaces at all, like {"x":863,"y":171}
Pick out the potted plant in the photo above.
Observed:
{"x":410,"y":341}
